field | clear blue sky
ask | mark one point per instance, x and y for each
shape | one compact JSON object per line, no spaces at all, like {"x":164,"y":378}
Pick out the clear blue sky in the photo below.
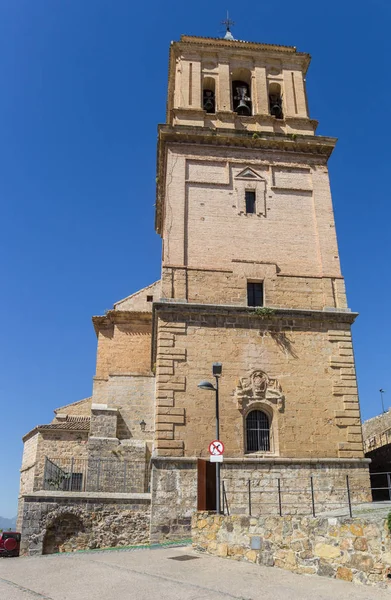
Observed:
{"x":83,"y":87}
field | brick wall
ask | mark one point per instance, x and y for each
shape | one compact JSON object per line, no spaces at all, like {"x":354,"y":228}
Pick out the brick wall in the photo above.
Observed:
{"x":124,"y":348}
{"x":211,"y":246}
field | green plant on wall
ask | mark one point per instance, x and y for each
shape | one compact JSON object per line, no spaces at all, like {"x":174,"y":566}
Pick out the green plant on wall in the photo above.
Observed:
{"x":57,"y":482}
{"x":389,"y":521}
{"x":263,"y":311}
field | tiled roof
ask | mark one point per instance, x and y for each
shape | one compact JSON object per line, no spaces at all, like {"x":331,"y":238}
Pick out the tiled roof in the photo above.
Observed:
{"x":68,"y":425}
{"x":71,"y":423}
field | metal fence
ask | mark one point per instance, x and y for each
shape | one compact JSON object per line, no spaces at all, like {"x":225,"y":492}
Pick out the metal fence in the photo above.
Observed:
{"x":313,"y":495}
{"x":96,"y":475}
{"x":381,"y":486}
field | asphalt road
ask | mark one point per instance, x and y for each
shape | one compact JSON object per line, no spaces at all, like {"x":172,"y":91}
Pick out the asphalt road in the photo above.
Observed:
{"x":152,"y":574}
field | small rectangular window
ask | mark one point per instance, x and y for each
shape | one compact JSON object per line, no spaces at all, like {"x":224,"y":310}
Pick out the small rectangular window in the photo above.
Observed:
{"x":250,"y":202}
{"x":254,"y":294}
{"x":149,"y":298}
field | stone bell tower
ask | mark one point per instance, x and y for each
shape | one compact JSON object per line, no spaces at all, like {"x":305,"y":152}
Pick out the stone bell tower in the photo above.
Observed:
{"x":250,"y":278}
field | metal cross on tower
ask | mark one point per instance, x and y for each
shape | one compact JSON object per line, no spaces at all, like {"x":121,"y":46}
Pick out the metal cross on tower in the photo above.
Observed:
{"x":228,"y":22}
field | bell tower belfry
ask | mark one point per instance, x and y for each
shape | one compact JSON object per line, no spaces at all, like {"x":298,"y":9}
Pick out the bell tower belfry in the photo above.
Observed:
{"x":250,"y":278}
{"x":242,"y":179}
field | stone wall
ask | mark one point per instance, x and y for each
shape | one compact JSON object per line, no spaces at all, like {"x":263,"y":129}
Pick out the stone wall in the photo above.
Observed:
{"x":124,"y":342}
{"x":174,"y":499}
{"x":307,"y":359}
{"x":377,"y":431}
{"x":60,"y":522}
{"x":63,"y":445}
{"x":357,"y":550}
{"x":290,"y":483}
{"x":141,"y":300}
{"x":229,"y":286}
{"x":133,"y":396}
{"x":81,"y":408}
{"x":174,"y":489}
{"x":29,"y":459}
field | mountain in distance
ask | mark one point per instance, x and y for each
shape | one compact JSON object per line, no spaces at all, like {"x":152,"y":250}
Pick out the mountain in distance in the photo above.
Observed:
{"x":7,"y":523}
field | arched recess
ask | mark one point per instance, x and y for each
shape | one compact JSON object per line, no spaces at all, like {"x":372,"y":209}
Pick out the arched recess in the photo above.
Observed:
{"x":258,"y":437}
{"x":241,"y":92}
{"x":209,"y":94}
{"x":275,"y":100}
{"x":63,"y":534}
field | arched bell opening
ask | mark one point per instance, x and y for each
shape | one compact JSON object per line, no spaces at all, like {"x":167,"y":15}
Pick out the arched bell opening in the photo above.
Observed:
{"x":241,"y":92}
{"x":209,"y":95}
{"x":275,"y":101}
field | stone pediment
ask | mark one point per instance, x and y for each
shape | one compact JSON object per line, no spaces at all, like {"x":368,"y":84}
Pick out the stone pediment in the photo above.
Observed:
{"x":259,"y":387}
{"x":248,"y":173}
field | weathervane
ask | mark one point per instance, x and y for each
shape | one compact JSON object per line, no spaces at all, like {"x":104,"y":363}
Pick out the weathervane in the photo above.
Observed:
{"x":228,"y":22}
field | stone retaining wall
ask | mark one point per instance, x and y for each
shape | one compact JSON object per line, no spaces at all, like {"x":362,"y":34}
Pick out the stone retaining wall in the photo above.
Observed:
{"x":357,"y":549}
{"x":70,"y":522}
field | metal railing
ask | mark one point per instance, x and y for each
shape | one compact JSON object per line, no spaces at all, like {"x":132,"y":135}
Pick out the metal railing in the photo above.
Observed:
{"x":96,"y":475}
{"x":381,"y":486}
{"x":313,"y":495}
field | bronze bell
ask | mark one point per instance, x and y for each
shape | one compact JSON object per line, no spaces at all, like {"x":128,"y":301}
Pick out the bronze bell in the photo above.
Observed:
{"x":276,"y":111}
{"x":209,"y":101}
{"x":242,"y":108}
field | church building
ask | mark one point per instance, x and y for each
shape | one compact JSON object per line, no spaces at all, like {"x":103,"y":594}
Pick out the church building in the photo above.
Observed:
{"x":250,"y":279}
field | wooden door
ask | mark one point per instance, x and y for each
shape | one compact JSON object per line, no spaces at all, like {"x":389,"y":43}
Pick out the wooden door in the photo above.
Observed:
{"x":206,"y":485}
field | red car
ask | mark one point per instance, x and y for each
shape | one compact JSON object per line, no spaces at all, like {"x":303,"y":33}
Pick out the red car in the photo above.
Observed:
{"x":9,"y":543}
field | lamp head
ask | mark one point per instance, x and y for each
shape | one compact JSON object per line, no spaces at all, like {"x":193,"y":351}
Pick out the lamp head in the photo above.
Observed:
{"x":217,"y":369}
{"x":206,"y":385}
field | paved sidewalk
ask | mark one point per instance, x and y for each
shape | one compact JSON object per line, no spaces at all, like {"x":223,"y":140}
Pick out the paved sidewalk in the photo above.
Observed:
{"x":151,"y":574}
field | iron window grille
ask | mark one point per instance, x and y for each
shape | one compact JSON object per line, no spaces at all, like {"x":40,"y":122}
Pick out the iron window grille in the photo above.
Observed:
{"x":257,"y":432}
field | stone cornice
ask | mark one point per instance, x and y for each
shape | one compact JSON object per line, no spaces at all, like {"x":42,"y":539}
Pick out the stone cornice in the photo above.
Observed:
{"x":54,"y":495}
{"x":120,"y":316}
{"x":335,"y":316}
{"x":223,"y":43}
{"x":231,"y":48}
{"x":299,"y":144}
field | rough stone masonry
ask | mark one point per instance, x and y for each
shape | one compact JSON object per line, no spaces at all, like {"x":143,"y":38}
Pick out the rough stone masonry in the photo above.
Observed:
{"x":357,"y":550}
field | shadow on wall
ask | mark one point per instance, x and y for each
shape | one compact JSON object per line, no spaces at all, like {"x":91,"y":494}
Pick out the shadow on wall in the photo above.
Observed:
{"x":123,"y":431}
{"x":283,"y":342}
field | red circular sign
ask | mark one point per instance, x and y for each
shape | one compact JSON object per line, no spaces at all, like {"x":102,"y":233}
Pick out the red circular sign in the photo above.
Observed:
{"x":216,"y":448}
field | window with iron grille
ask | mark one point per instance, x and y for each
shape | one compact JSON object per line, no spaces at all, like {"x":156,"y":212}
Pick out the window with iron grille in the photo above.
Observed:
{"x":250,"y":202}
{"x":257,"y":432}
{"x":254,"y":294}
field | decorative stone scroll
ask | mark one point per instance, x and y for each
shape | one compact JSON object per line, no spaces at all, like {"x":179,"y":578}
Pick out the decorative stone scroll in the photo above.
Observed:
{"x":259,"y":387}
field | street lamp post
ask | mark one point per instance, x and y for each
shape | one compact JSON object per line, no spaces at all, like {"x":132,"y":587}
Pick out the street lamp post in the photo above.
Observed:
{"x":206,"y":385}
